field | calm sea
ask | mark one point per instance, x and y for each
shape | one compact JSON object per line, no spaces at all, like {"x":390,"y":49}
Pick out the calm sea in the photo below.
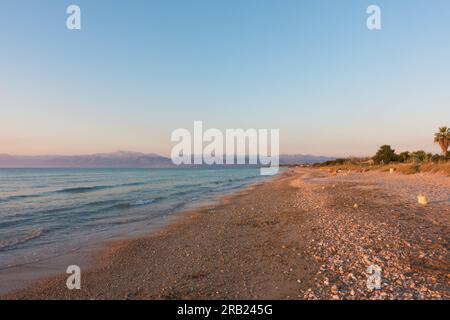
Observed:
{"x":47,"y":212}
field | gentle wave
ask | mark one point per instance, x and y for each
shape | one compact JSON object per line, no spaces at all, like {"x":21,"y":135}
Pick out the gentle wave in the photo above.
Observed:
{"x":72,"y":190}
{"x":83,"y":189}
{"x":20,"y":197}
{"x":132,"y":184}
{"x":6,"y":244}
{"x":138,"y":203}
{"x":95,"y":188}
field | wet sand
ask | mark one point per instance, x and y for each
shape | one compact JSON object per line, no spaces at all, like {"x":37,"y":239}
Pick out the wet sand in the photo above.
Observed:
{"x":306,"y":234}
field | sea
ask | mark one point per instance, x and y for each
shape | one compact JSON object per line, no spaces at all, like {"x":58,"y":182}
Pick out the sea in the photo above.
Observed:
{"x":46,"y":213}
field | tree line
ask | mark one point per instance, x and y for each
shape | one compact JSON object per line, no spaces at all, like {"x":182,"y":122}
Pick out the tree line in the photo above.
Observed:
{"x":387,"y":155}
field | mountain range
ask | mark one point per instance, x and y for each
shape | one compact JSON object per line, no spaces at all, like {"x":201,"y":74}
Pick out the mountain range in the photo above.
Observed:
{"x":119,"y":159}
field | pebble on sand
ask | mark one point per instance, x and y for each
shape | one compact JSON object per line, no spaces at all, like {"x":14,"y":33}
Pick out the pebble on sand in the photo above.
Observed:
{"x":421,"y":199}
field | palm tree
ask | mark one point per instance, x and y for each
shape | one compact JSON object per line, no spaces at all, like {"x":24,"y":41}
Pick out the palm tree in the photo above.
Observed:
{"x":443,"y":138}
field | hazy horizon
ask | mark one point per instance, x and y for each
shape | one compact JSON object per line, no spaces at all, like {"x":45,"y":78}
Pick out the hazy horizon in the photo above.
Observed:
{"x":168,"y":155}
{"x":136,"y":72}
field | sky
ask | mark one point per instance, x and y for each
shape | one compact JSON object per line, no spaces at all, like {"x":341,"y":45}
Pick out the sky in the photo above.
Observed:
{"x":137,"y":70}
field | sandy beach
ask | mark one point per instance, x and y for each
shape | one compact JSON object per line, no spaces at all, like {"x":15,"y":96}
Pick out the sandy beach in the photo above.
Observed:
{"x":306,"y":234}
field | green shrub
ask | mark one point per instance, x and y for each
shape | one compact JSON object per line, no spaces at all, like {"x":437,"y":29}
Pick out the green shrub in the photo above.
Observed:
{"x":385,"y":155}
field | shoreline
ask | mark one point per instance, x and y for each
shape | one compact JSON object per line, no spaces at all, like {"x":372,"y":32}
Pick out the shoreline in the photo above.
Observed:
{"x":42,"y":270}
{"x":296,"y":236}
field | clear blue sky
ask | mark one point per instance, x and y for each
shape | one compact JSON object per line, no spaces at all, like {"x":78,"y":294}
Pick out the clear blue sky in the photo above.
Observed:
{"x":140,"y":69}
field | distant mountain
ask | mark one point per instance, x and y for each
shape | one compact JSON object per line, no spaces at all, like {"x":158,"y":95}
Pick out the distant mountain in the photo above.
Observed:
{"x":119,"y":159}
{"x":290,"y":159}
